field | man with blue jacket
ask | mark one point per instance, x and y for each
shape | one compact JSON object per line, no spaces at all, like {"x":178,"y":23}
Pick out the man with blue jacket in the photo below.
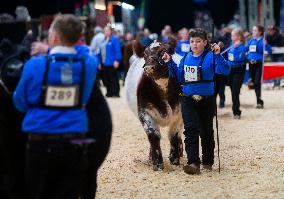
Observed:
{"x":110,"y":56}
{"x":53,"y":92}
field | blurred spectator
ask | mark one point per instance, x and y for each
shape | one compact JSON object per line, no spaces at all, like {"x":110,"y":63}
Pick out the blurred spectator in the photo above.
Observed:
{"x":110,"y":56}
{"x":138,"y":50}
{"x":274,"y":39}
{"x":97,"y":40}
{"x":168,"y":29}
{"x":224,"y":35}
{"x":154,"y":36}
{"x":82,"y":39}
{"x":146,"y":41}
{"x":127,"y":52}
{"x":223,"y":38}
{"x":183,"y":46}
{"x":247,"y":35}
{"x":166,"y":32}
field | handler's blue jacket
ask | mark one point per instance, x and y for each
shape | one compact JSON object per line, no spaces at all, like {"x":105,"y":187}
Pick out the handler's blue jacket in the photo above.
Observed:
{"x":27,"y":95}
{"x":110,"y":52}
{"x":183,"y":47}
{"x":255,"y":49}
{"x":236,"y":56}
{"x":200,"y":88}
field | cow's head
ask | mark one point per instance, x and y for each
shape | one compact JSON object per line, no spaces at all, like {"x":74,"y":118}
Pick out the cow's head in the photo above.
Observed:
{"x":154,"y":66}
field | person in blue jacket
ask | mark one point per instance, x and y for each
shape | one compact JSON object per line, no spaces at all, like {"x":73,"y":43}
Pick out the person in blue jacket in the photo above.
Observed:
{"x":195,"y":74}
{"x":236,"y":60}
{"x":183,"y":45}
{"x":53,"y":92}
{"x":255,"y":58}
{"x":110,"y":56}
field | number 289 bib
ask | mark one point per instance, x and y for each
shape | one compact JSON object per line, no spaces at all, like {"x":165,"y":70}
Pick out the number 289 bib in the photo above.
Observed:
{"x":62,"y":96}
{"x":190,"y":73}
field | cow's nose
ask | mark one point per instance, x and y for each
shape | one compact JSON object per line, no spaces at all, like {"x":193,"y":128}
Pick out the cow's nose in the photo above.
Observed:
{"x":148,"y":68}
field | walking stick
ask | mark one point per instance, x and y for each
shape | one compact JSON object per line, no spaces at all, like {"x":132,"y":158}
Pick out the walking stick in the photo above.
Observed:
{"x":216,"y":113}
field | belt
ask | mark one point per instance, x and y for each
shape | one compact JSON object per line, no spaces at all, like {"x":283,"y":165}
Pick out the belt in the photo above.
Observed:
{"x":196,"y":97}
{"x":254,"y":61}
{"x":40,"y":137}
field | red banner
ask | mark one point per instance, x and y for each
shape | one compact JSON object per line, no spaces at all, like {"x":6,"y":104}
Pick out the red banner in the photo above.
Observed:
{"x":273,"y":70}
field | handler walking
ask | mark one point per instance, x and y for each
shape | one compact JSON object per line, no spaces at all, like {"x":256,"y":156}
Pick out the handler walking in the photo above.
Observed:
{"x":236,"y":60}
{"x":195,"y":74}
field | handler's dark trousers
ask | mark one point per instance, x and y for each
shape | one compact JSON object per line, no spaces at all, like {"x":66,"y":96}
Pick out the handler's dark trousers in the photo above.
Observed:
{"x":54,"y":169}
{"x":220,"y":88}
{"x":236,"y":80}
{"x":111,"y":81}
{"x":198,"y":121}
{"x":256,"y":75}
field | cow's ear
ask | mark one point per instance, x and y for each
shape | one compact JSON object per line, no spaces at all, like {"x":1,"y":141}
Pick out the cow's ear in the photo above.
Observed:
{"x":171,"y":45}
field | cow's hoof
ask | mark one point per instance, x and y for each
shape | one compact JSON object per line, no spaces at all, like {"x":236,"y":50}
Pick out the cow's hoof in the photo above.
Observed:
{"x":174,"y":161}
{"x":158,"y":167}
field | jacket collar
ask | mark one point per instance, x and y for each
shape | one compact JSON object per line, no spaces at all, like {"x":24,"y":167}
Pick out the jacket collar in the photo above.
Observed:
{"x":62,"y":50}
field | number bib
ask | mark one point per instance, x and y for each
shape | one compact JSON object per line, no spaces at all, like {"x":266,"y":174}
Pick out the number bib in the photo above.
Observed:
{"x":62,"y":96}
{"x":252,"y":48}
{"x":185,"y":48}
{"x":190,"y":73}
{"x":231,"y":56}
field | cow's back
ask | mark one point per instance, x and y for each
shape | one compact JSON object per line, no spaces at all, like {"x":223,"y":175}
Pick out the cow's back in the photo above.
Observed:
{"x":132,"y":79}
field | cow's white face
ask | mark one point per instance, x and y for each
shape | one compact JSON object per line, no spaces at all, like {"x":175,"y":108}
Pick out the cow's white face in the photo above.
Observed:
{"x":155,"y":67}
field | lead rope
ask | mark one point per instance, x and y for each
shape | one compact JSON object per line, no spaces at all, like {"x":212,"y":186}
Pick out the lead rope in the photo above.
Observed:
{"x":5,"y":87}
{"x":216,"y":112}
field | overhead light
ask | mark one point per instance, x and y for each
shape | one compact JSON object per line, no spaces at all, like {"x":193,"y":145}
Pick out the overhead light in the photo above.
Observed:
{"x":127,"y":6}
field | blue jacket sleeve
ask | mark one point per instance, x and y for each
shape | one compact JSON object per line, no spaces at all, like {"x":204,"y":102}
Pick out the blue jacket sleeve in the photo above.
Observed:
{"x":172,"y":66}
{"x":247,"y":45}
{"x":242,"y":54}
{"x":175,"y":70}
{"x":20,"y":97}
{"x":178,"y":48}
{"x":222,"y":66}
{"x":117,"y":50}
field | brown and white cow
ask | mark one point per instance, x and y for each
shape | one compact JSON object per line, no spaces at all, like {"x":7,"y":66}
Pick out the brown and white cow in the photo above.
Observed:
{"x":153,"y":96}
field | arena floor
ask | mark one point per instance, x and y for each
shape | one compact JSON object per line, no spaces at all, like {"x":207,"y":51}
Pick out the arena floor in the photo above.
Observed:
{"x":252,"y":156}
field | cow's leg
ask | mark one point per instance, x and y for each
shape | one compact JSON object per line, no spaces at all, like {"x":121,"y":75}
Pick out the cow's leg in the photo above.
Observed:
{"x":154,"y":136}
{"x":176,"y":145}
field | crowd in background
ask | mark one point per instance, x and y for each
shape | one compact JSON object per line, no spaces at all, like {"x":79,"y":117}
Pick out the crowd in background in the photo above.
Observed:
{"x":145,"y":37}
{"x":115,"y":52}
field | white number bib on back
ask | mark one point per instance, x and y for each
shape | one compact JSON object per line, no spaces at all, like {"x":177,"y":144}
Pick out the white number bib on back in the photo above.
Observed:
{"x":190,"y":73}
{"x":231,"y":56}
{"x":252,"y":48}
{"x":185,"y":48}
{"x":62,"y":96}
